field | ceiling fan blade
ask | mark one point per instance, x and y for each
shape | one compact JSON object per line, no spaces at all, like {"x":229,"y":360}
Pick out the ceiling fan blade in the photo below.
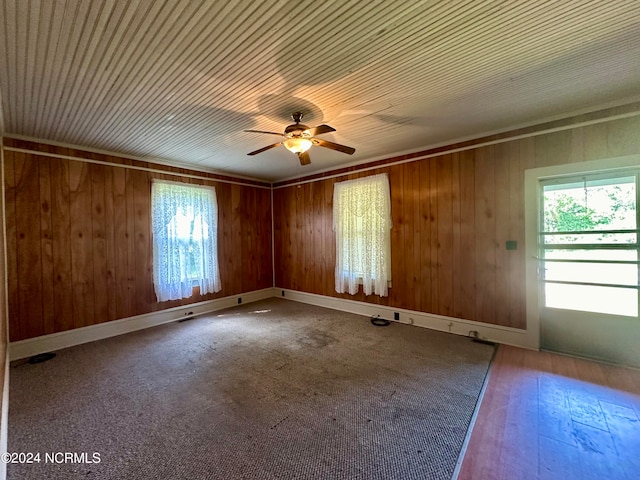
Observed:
{"x":304,"y":158}
{"x":320,"y":129}
{"x":334,"y":146}
{"x":263,"y":131}
{"x":265,"y":149}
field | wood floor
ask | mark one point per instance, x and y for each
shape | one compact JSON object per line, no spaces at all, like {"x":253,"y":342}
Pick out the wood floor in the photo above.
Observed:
{"x":547,"y":416}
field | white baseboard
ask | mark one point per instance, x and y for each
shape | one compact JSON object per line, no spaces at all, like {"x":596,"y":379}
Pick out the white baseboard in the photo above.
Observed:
{"x":56,"y":341}
{"x":494,"y":333}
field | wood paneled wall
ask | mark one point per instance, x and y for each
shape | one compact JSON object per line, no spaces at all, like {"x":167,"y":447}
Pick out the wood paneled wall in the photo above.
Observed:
{"x":4,"y":340}
{"x":79,"y":239}
{"x":79,"y":245}
{"x":452,"y":215}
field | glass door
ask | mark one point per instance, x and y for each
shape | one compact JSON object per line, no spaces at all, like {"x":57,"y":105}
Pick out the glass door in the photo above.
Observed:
{"x":588,"y":271}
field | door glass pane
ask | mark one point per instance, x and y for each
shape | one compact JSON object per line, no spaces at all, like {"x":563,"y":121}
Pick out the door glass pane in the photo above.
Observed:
{"x":587,"y":298}
{"x":611,"y":273}
{"x":588,"y":205}
{"x":615,"y":255}
{"x":587,"y":213}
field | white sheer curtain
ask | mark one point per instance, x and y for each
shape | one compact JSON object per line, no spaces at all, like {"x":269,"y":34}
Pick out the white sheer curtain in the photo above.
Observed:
{"x":184,"y":221}
{"x":362,"y":222}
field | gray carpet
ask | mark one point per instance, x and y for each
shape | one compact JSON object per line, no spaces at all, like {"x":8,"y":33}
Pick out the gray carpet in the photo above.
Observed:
{"x":269,"y":390}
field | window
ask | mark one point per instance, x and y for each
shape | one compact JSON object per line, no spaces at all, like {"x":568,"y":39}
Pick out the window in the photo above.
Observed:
{"x":362,"y":222}
{"x":185,"y":251}
{"x":589,"y":244}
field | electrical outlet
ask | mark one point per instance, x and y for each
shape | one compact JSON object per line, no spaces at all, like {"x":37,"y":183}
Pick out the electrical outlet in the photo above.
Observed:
{"x":283,"y":293}
{"x":396,"y":315}
{"x":239,"y":300}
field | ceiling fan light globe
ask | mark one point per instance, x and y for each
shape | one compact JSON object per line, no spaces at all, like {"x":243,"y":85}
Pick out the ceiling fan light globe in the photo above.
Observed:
{"x":298,"y":145}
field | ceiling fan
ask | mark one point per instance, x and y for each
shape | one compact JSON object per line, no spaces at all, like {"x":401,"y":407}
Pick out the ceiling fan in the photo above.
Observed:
{"x":299,"y":138}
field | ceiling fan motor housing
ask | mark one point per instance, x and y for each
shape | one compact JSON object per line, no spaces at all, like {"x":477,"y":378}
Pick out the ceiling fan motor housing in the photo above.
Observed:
{"x":297,"y":130}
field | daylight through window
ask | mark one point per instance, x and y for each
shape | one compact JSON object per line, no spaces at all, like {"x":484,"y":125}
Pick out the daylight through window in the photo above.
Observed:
{"x":362,"y":222}
{"x":185,"y":252}
{"x":589,"y":244}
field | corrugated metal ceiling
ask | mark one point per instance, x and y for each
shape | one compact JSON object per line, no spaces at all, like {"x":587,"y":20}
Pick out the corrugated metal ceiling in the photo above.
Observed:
{"x":180,"y":80}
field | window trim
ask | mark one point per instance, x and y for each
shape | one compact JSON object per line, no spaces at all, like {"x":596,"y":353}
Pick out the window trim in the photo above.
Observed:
{"x":344,"y":277}
{"x":212,"y":276}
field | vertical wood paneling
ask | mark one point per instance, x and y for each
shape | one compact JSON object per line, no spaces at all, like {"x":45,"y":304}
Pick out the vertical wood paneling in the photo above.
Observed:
{"x":130,"y":243}
{"x":121,"y":240}
{"x":310,"y":233}
{"x":29,"y":253}
{"x":503,"y":293}
{"x":328,"y":245}
{"x":99,"y":243}
{"x":516,"y":272}
{"x":255,"y":249}
{"x":398,"y":235}
{"x":278,"y":247}
{"x":142,"y":205}
{"x":61,"y":218}
{"x":12,"y":243}
{"x":252,"y":249}
{"x":485,"y":243}
{"x":296,"y":239}
{"x":235,"y":265}
{"x":408,"y":234}
{"x":595,"y":143}
{"x":289,"y":204}
{"x":467,"y":286}
{"x":432,"y":232}
{"x":444,"y":221}
{"x":303,"y":230}
{"x":423,"y":228}
{"x":79,"y":245}
{"x":46,"y":246}
{"x":577,"y":145}
{"x":110,"y":243}
{"x":246,"y":203}
{"x":456,"y":266}
{"x":303,"y":215}
{"x":266,"y":238}
{"x":319,"y":236}
{"x":623,"y":137}
{"x":225,"y":239}
{"x":4,"y":341}
{"x":558,"y":147}
{"x":287,"y":232}
{"x":412,"y":184}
